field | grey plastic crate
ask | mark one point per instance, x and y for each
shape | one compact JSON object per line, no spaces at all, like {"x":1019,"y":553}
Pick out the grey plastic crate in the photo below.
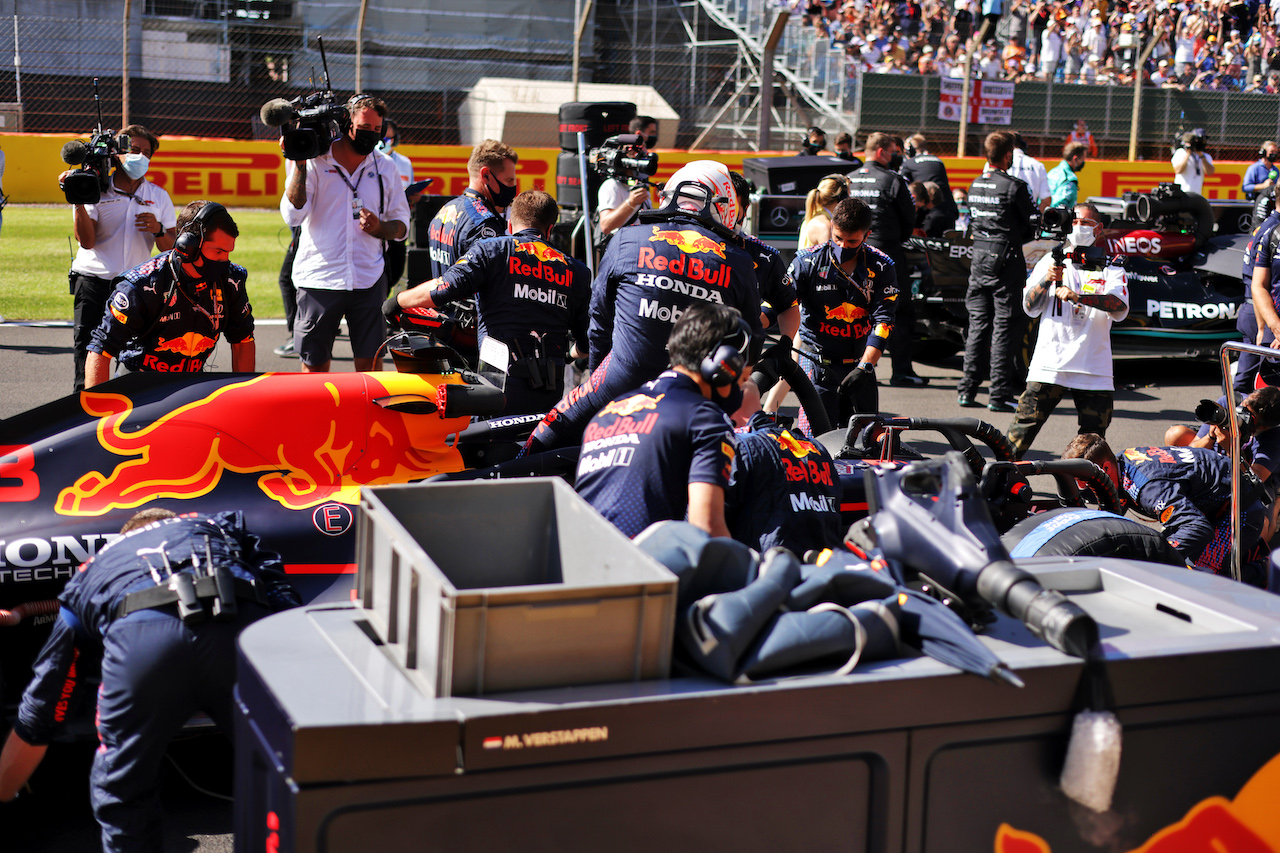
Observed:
{"x":493,"y":586}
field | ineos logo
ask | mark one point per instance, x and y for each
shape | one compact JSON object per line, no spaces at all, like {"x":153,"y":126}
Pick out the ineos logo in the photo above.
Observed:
{"x":332,"y":519}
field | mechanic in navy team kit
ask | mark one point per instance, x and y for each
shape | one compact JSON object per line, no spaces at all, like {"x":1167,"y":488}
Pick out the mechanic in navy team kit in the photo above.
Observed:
{"x":652,"y":273}
{"x":1188,"y":490}
{"x":529,"y":296}
{"x":848,"y":296}
{"x":665,"y":451}
{"x":785,"y":490}
{"x":159,"y":610}
{"x":166,"y":314}
{"x":477,"y":214}
{"x":1258,"y":320}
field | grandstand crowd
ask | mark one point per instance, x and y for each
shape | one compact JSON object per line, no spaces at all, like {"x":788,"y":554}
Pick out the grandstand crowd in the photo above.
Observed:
{"x":1204,"y":45}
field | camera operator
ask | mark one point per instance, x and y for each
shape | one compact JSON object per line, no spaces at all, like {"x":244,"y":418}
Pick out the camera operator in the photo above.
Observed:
{"x":1262,"y":175}
{"x":1259,"y":413}
{"x":651,"y":275}
{"x":1076,"y":302}
{"x":529,"y":296}
{"x":1191,"y":162}
{"x":1003,"y":217}
{"x":1188,"y":489}
{"x":477,"y":213}
{"x":339,"y":270}
{"x":619,"y":200}
{"x":893,"y":218}
{"x":116,"y":235}
{"x":165,"y":315}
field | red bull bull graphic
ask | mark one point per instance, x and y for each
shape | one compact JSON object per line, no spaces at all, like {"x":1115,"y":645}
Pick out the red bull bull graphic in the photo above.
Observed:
{"x":846,"y":312}
{"x":190,"y":344}
{"x":331,"y":440}
{"x":541,"y":251}
{"x":688,"y":241}
{"x":797,"y":447}
{"x":631,"y":405}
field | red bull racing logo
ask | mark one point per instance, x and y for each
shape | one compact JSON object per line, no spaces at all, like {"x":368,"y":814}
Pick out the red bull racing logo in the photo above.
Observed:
{"x":797,"y":447}
{"x":846,"y":312}
{"x":331,"y":440}
{"x":631,"y":405}
{"x":541,"y":251}
{"x":689,"y":242}
{"x":191,"y":344}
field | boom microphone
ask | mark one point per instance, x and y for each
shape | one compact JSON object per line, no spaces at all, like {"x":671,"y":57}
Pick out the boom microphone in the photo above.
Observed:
{"x":277,"y":112}
{"x":73,"y":153}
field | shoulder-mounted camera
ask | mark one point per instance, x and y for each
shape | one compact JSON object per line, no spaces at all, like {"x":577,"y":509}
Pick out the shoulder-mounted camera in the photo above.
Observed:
{"x":309,"y":123}
{"x":87,"y":184}
{"x":624,"y":157}
{"x":1195,"y":141}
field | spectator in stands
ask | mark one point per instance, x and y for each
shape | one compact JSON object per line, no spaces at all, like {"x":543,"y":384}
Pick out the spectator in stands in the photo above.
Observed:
{"x":1082,"y":135}
{"x":818,"y":204}
{"x":1015,"y":59}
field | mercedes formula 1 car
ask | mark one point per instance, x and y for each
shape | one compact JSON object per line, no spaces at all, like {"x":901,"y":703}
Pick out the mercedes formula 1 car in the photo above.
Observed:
{"x":1182,"y":256}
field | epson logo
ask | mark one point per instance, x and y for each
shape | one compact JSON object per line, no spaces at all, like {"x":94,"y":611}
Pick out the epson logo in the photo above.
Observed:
{"x":537,"y":294}
{"x":1191,"y":311}
{"x":958,"y":251}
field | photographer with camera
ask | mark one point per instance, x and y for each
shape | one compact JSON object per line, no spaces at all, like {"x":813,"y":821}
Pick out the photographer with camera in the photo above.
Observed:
{"x":1256,"y":416}
{"x":682,"y":255}
{"x":1003,"y":217}
{"x":620,"y":199}
{"x":339,"y":270}
{"x":477,"y":213}
{"x":1262,"y":175}
{"x":1077,"y":295}
{"x":1191,"y":162}
{"x":1188,"y":489}
{"x":165,"y":315}
{"x":529,"y":296}
{"x":115,"y":234}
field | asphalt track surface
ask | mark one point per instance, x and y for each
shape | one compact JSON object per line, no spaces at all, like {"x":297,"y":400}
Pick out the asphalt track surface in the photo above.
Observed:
{"x":36,"y":368}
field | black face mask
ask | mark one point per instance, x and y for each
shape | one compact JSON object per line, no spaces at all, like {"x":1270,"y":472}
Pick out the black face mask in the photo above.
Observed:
{"x":812,"y":147}
{"x":1273,"y":156}
{"x":651,"y":141}
{"x":504,"y":195}
{"x":895,"y":162}
{"x":365,"y":141}
{"x":206,"y":270}
{"x":730,"y":403}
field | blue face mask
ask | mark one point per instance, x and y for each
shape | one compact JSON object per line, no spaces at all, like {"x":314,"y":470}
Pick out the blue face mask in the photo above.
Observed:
{"x":134,"y":165}
{"x":843,"y":255}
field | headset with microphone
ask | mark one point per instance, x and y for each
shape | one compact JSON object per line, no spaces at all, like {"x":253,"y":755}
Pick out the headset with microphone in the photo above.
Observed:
{"x":723,"y":366}
{"x":187,"y":246}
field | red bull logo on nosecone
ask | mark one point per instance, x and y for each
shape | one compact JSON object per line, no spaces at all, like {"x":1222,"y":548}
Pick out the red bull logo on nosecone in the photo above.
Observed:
{"x":330,"y":438}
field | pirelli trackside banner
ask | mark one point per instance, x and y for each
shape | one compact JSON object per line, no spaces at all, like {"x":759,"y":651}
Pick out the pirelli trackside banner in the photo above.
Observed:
{"x":251,"y":174}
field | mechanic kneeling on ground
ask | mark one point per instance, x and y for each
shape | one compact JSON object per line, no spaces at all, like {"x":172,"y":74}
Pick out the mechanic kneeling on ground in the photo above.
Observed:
{"x":1188,"y":490}
{"x":160,"y":608}
{"x":785,"y":490}
{"x":115,"y":235}
{"x":848,"y":298}
{"x":529,"y":296}
{"x":666,"y":450}
{"x":1076,"y":306}
{"x":652,"y":273}
{"x":166,"y":315}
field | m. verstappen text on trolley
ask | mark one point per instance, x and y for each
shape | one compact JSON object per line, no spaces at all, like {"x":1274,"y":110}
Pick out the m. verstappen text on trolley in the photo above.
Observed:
{"x":166,"y":314}
{"x":529,"y":296}
{"x":667,"y":449}
{"x":652,"y":273}
{"x":158,"y":612}
{"x":477,"y":213}
{"x":848,"y":297}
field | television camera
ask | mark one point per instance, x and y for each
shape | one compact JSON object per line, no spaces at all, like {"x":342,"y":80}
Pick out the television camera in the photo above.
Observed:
{"x":309,"y":123}
{"x":1056,"y":224}
{"x":1193,"y":140}
{"x":624,"y":157}
{"x":87,"y":183}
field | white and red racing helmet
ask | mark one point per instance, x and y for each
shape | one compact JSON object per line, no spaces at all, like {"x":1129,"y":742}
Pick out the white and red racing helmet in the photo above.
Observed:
{"x":714,"y":180}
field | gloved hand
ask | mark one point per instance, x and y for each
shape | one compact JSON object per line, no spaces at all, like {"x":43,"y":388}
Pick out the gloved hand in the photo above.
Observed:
{"x":855,"y":379}
{"x":391,"y":310}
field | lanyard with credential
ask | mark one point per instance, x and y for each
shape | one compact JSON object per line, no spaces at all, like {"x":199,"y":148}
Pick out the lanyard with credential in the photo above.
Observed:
{"x":355,"y":194}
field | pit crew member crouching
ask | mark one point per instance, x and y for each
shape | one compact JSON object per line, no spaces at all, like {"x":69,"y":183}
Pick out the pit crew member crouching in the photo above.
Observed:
{"x":166,"y":314}
{"x":1188,"y":489}
{"x":848,"y":298}
{"x":650,"y":276}
{"x":666,"y":450}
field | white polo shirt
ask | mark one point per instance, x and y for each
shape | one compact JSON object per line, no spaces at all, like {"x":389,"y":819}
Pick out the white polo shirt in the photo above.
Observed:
{"x":333,"y":253}
{"x":120,"y":246}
